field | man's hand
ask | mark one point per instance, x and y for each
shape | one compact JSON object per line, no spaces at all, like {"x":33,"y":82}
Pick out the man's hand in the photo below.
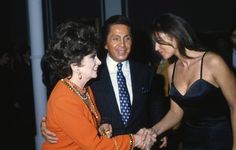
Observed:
{"x":48,"y":135}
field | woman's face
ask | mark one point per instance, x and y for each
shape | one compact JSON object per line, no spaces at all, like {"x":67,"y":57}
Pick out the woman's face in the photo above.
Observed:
{"x":165,"y":45}
{"x":89,"y":66}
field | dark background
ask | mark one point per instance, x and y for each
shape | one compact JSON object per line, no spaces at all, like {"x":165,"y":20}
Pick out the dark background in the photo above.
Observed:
{"x":209,"y":18}
{"x":203,"y":15}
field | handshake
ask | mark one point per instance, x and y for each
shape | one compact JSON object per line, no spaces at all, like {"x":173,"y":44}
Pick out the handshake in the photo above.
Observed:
{"x":143,"y":139}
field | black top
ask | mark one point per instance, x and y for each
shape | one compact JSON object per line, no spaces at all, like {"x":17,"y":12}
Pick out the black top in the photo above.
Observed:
{"x":201,"y":101}
{"x":206,"y":123}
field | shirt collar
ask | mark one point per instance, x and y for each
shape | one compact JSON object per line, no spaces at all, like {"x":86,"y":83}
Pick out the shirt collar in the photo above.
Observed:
{"x":112,"y":64}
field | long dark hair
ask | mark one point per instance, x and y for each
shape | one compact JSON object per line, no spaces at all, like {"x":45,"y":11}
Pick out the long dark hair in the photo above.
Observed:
{"x":176,"y":28}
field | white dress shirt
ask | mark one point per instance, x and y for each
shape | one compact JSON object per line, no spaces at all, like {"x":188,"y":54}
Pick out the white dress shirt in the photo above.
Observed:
{"x":112,"y":69}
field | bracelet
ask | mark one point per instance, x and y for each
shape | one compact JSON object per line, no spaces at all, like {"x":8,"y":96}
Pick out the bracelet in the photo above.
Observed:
{"x":131,"y":141}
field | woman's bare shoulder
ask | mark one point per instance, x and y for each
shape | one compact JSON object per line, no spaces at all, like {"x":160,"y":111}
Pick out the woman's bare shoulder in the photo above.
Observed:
{"x":215,"y":64}
{"x":213,"y":60}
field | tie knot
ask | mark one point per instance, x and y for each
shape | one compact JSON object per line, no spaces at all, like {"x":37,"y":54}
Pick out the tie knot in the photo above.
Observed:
{"x":119,"y":66}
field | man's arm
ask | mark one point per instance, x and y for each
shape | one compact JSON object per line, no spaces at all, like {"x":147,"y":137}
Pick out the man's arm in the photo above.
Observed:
{"x":48,"y":135}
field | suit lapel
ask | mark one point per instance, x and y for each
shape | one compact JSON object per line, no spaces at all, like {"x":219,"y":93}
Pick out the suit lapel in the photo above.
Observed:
{"x":134,"y":81}
{"x":110,"y":94}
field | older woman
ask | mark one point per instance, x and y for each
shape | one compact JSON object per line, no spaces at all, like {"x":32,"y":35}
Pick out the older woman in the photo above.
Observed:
{"x":71,"y":110}
{"x":202,"y":88}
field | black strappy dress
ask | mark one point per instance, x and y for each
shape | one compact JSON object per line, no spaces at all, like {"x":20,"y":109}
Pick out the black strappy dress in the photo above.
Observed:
{"x":206,"y":122}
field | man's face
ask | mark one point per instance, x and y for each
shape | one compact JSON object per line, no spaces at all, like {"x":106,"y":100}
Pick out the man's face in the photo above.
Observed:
{"x":118,"y":42}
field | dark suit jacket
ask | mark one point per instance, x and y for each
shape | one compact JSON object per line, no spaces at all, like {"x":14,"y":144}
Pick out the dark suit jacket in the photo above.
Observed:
{"x":147,"y":108}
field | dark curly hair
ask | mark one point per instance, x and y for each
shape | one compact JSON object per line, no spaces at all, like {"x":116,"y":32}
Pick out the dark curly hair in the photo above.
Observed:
{"x":73,"y":40}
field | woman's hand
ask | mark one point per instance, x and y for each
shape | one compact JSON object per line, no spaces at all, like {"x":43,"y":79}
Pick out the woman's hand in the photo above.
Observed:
{"x":164,"y":142}
{"x":144,"y":139}
{"x":105,"y":129}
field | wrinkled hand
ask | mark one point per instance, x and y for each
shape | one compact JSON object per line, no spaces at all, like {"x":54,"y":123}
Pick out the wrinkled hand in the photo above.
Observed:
{"x":144,"y":139}
{"x":164,"y":142}
{"x":150,"y":139}
{"x":105,"y":129}
{"x":48,"y":135}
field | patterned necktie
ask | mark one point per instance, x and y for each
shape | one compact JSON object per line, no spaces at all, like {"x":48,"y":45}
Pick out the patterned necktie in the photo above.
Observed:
{"x":125,"y":105}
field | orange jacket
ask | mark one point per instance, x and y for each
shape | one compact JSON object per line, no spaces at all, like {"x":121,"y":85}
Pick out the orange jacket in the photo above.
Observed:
{"x":75,"y":126}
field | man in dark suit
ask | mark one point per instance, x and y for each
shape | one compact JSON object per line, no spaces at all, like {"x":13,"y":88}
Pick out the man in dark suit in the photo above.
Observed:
{"x":146,"y":106}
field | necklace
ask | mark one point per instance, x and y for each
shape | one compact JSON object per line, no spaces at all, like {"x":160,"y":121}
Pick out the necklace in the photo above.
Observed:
{"x":85,"y":97}
{"x":83,"y":93}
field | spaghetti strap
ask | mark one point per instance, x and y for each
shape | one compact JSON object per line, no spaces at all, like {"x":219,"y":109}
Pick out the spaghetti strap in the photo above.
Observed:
{"x":202,"y":65}
{"x":173,"y":72}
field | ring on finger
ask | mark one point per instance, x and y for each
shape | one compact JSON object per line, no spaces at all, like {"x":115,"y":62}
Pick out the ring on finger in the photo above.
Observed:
{"x":108,"y":132}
